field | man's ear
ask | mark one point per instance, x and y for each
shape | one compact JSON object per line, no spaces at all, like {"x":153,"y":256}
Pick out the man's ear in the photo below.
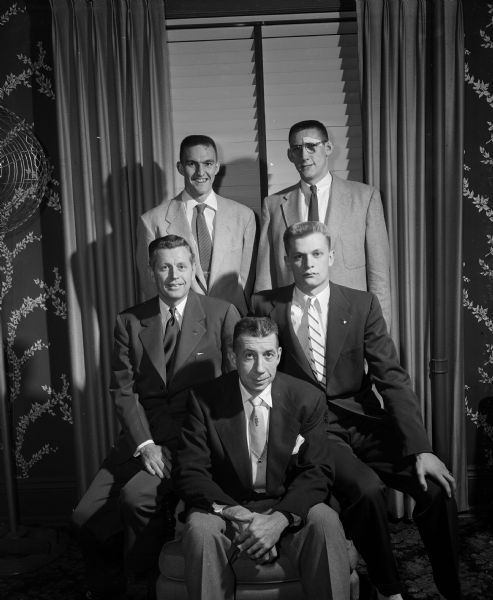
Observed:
{"x":179,"y":167}
{"x":290,"y":155}
{"x":218,"y":166}
{"x":331,"y":257}
{"x":232,"y":358}
{"x":329,"y":148}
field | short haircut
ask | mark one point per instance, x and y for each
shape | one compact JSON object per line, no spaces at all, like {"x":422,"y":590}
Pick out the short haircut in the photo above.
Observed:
{"x":311,"y":124}
{"x":166,"y":243}
{"x":254,"y":327}
{"x":302,"y":229}
{"x":196,"y":140}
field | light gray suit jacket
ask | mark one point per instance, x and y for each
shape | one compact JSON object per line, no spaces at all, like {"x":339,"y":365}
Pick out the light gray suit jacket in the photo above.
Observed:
{"x":234,"y":250}
{"x":356,"y":224}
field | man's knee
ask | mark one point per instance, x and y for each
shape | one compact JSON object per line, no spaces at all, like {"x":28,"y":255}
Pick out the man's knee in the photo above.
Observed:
{"x":140,"y":494}
{"x":201,"y":525}
{"x":321,"y":517}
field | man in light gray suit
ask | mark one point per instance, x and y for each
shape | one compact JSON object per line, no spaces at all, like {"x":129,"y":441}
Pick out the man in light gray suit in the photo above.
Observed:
{"x":221,"y":232}
{"x":351,"y":210}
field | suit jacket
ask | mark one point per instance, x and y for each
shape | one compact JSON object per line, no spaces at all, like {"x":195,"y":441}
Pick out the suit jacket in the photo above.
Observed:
{"x":356,"y":225}
{"x":213,"y":463}
{"x":234,"y":249}
{"x":147,"y":404}
{"x":356,"y":336}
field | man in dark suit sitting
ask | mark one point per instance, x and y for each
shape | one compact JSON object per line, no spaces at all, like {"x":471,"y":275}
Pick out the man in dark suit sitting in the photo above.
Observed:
{"x":161,"y":348}
{"x":254,"y":468}
{"x":336,"y":338}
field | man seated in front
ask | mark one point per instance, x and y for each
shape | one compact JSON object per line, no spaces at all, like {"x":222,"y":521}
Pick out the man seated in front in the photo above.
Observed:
{"x":254,"y":468}
{"x":162,"y":347}
{"x":335,"y":337}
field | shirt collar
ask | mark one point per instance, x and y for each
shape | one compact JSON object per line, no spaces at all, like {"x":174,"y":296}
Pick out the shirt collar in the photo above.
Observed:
{"x":179,"y":308}
{"x":210,"y":201}
{"x":300,"y":298}
{"x":322,"y":185}
{"x":265,"y":395}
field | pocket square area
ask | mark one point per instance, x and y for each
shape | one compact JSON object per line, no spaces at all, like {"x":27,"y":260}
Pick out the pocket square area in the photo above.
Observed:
{"x":299,"y":440}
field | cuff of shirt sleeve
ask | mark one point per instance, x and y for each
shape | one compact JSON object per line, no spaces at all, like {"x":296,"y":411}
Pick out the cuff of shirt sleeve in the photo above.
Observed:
{"x":140,"y":446}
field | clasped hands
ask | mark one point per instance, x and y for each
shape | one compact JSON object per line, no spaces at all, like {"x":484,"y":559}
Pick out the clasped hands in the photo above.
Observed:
{"x":256,"y":533}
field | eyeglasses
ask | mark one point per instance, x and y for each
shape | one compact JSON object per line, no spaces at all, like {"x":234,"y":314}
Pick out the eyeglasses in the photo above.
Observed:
{"x":310,"y":147}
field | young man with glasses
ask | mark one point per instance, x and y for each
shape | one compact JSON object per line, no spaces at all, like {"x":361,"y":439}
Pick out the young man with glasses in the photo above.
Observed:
{"x":351,"y":210}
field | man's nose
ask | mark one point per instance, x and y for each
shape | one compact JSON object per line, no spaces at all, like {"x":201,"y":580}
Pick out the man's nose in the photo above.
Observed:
{"x":259,"y":365}
{"x":199,"y":170}
{"x":304,"y":152}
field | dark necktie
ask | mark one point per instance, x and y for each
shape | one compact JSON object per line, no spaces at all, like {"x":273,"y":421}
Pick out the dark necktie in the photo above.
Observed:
{"x":204,"y":241}
{"x":170,"y":338}
{"x":313,"y":207}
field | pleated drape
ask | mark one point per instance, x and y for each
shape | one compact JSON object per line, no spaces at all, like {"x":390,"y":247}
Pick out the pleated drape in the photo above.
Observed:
{"x":114,"y":130}
{"x":411,"y":65}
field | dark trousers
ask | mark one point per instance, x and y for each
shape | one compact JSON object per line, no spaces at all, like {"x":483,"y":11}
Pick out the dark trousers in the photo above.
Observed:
{"x":121,"y":525}
{"x":364,"y":451}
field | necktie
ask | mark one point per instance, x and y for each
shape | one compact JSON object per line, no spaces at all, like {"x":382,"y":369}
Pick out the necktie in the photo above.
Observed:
{"x":313,"y":207}
{"x":316,"y":341}
{"x":258,"y":445}
{"x":258,"y":436}
{"x":171,"y":334}
{"x":204,"y":241}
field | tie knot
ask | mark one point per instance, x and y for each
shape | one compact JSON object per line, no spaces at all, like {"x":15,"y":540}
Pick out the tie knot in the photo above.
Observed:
{"x":200,"y":208}
{"x":313,"y":189}
{"x":172,"y":314}
{"x":256,"y":401}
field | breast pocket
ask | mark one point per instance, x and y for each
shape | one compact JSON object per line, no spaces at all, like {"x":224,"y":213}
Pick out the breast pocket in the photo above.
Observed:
{"x":353,"y":250}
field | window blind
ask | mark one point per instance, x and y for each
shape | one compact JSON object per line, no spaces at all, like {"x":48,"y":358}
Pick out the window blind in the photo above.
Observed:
{"x":311,"y":72}
{"x":213,"y":93}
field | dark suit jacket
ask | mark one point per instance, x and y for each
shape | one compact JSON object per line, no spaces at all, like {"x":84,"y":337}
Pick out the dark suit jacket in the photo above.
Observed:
{"x":357,"y":229}
{"x":356,"y":333}
{"x":148,"y":406}
{"x":213,"y":463}
{"x":234,"y":249}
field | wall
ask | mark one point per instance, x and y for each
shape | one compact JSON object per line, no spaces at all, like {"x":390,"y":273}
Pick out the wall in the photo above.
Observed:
{"x":33,"y":308}
{"x":478,"y":247}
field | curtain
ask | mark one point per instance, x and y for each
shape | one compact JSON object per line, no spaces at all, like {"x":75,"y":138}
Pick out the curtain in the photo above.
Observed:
{"x":411,"y":68}
{"x":114,"y":130}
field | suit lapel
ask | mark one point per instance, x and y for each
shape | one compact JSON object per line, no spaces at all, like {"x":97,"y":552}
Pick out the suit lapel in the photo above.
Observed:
{"x":291,"y":208}
{"x":223,"y":238}
{"x":338,"y":321}
{"x":193,"y":328}
{"x":177,"y":224}
{"x":282,"y":316}
{"x":339,"y":206}
{"x":231,"y":428}
{"x":151,"y":336}
{"x":283,"y":431}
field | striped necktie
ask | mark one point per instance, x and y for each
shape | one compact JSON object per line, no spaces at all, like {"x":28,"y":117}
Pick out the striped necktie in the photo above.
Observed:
{"x":316,"y":341}
{"x":204,"y":241}
{"x":171,"y":334}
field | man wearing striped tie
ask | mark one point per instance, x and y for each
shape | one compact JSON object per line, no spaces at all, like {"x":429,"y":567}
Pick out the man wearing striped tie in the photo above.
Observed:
{"x":336,"y":338}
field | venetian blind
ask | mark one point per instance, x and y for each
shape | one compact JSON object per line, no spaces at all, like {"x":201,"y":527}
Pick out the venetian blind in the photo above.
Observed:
{"x":311,"y":72}
{"x":213,"y":93}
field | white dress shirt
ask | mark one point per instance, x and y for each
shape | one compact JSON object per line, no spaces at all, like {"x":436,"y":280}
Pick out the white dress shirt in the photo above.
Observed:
{"x":323,"y":195}
{"x":209,"y":213}
{"x":263,"y":410}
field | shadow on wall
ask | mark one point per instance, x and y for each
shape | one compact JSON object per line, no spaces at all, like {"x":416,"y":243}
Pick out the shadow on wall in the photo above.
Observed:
{"x":105,"y":280}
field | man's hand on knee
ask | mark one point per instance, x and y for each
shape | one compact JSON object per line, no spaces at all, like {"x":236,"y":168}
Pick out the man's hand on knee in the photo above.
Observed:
{"x":428,"y":464}
{"x":156,"y":460}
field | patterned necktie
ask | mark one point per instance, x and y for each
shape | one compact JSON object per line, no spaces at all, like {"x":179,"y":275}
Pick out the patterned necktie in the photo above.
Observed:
{"x":171,"y":334}
{"x":204,"y":241}
{"x":257,"y":430}
{"x":316,"y":341}
{"x":258,"y":445}
{"x":313,"y":207}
